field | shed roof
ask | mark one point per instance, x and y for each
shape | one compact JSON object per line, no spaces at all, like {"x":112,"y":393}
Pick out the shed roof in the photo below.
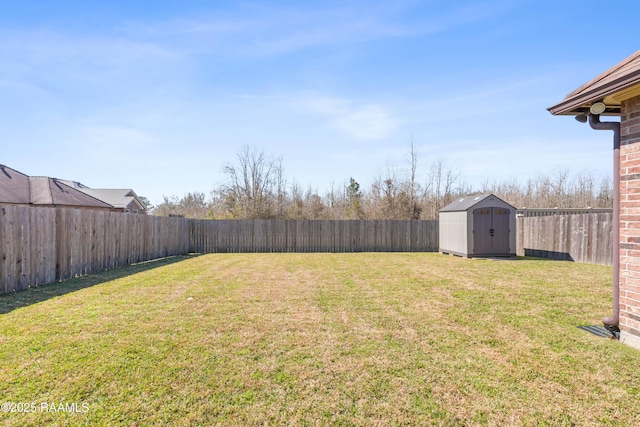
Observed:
{"x":464,"y":203}
{"x":618,"y":83}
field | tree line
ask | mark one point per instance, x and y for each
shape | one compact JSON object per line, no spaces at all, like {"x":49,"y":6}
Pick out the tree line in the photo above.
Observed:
{"x":256,"y":187}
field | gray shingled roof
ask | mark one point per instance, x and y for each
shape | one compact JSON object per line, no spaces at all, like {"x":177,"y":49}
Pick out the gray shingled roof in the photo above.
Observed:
{"x":119,"y":198}
{"x":18,"y":188}
{"x":463,"y":203}
{"x":50,"y":191}
{"x":14,"y":186}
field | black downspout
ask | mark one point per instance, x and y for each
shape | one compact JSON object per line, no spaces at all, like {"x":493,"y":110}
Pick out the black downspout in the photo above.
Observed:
{"x":612,"y":322}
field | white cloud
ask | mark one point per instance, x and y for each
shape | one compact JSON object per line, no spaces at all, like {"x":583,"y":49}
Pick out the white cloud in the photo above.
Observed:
{"x":259,"y":30}
{"x":327,"y":105}
{"x":367,"y":122}
{"x":53,"y":57}
{"x":363,"y":122}
{"x":117,"y":140}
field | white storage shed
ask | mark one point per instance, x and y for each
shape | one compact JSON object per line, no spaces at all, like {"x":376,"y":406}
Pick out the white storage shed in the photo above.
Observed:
{"x":478,"y":226}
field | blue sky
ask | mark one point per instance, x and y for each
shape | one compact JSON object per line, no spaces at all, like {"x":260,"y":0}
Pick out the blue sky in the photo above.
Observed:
{"x":158,"y":96}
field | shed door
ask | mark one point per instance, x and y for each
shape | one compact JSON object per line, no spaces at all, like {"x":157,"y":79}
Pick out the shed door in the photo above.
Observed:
{"x":481,"y":231}
{"x":491,"y":231}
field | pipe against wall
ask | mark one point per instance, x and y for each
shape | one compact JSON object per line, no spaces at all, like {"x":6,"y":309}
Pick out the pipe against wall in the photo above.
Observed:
{"x":613,"y":321}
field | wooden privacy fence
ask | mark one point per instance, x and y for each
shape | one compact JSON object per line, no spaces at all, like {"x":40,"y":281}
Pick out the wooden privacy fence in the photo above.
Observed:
{"x":560,"y":211}
{"x":41,"y":245}
{"x":581,"y":238}
{"x":313,"y":236}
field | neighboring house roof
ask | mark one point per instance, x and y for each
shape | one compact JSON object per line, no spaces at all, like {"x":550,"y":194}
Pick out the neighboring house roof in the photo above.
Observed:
{"x":50,"y":191}
{"x":464,"y":203}
{"x":618,"y":83}
{"x":14,"y":186}
{"x":118,"y":198}
{"x":18,"y":188}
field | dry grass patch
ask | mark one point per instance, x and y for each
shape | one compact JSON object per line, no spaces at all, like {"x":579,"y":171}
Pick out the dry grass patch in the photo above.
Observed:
{"x":321,"y":339}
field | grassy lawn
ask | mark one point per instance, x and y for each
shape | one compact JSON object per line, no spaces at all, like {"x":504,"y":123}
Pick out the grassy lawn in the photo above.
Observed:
{"x":320,"y":339}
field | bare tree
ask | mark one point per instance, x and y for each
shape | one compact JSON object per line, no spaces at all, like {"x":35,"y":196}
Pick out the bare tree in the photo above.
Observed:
{"x":168,"y":207}
{"x":413,"y":181}
{"x":296,"y":202}
{"x":605,"y":194}
{"x":253,"y":184}
{"x":256,"y":187}
{"x":194,"y":205}
{"x":440,"y":188}
{"x":281,"y":186}
{"x":559,"y":183}
{"x":314,"y":206}
{"x":557,"y":190}
{"x":191,"y":205}
{"x":390,"y":197}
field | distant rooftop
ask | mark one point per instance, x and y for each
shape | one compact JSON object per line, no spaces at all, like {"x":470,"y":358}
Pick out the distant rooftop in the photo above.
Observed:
{"x":18,"y":188}
{"x":119,"y":198}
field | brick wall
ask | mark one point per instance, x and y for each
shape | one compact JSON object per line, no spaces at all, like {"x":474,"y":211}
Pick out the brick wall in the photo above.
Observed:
{"x":630,"y":222}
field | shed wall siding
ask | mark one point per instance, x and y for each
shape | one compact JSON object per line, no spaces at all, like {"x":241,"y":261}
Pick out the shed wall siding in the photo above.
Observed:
{"x":453,"y":233}
{"x":630,"y":222}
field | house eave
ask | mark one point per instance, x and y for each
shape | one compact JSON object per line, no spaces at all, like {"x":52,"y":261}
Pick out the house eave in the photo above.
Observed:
{"x":580,"y":103}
